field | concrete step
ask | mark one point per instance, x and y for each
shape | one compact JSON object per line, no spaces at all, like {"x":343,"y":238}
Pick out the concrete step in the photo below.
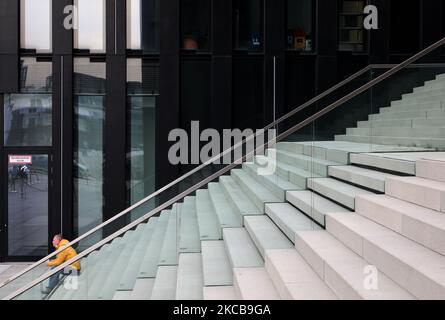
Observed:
{"x":209,"y":228}
{"x":385,"y":162}
{"x":256,"y":192}
{"x":433,"y":169}
{"x":189,"y":283}
{"x":189,"y":241}
{"x":404,"y":123}
{"x":151,"y":256}
{"x":293,"y":278}
{"x":422,"y":123}
{"x":169,"y":250}
{"x":122,"y":295}
{"x":254,"y":284}
{"x":324,"y":150}
{"x":423,"y":192}
{"x":419,"y":224}
{"x":295,"y":175}
{"x":265,"y":234}
{"x":220,"y":293}
{"x":143,"y":289}
{"x":415,"y":103}
{"x":412,"y":266}
{"x":289,"y":219}
{"x":428,"y":132}
{"x":292,"y":147}
{"x":240,"y":248}
{"x":337,"y":191}
{"x":421,"y":142}
{"x":276,"y":184}
{"x":343,"y":270}
{"x":237,"y":199}
{"x":164,"y":287}
{"x":308,"y":163}
{"x":227,"y":217}
{"x":313,"y":205}
{"x":367,"y":178}
{"x":131,"y":272}
{"x":215,"y":264}
{"x":118,"y":268}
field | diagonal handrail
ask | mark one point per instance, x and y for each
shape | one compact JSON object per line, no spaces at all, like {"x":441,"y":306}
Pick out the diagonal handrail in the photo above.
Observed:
{"x":188,"y":174}
{"x":300,"y":125}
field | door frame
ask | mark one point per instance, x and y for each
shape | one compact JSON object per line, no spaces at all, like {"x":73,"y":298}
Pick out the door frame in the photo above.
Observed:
{"x":5,"y":257}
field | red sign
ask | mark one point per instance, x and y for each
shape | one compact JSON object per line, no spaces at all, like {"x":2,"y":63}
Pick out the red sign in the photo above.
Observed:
{"x":20,"y":159}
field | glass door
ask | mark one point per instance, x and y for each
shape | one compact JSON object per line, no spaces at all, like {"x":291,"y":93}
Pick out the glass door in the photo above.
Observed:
{"x":26,"y":221}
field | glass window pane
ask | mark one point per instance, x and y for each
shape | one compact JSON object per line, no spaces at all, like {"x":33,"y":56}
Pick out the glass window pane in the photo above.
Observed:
{"x":28,"y":206}
{"x":248,"y":25}
{"x":89,"y":115}
{"x":195,"y":24}
{"x":36,"y":25}
{"x":300,"y":35}
{"x":143,"y":25}
{"x":28,"y":115}
{"x":351,"y":28}
{"x":142,"y":84}
{"x":90,"y":34}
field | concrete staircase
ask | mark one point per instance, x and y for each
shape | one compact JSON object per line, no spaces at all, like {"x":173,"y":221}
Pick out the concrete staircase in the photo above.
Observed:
{"x":344,"y":219}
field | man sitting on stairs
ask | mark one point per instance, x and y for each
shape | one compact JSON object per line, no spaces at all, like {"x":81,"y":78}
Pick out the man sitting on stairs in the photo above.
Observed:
{"x":65,"y":255}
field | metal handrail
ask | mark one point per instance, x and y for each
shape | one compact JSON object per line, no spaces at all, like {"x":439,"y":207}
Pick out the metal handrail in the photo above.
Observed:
{"x":302,"y":124}
{"x":188,"y":174}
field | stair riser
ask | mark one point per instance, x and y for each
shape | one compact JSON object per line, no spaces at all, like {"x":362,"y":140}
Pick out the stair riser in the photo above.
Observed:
{"x":404,"y":275}
{"x":433,"y":170}
{"x":251,"y":194}
{"x":308,"y":209}
{"x":364,"y":181}
{"x":423,"y":233}
{"x":423,"y":196}
{"x":336,"y":196}
{"x":277,"y":191}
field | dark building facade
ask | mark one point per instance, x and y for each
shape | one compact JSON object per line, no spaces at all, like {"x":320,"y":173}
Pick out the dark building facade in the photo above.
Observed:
{"x":87,"y":112}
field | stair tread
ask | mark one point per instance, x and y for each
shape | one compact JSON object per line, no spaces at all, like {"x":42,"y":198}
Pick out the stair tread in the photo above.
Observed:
{"x":143,"y":289}
{"x":226,"y":216}
{"x":244,"y":205}
{"x":299,"y":279}
{"x":337,"y":191}
{"x":169,"y":250}
{"x":208,"y":224}
{"x":254,"y":284}
{"x":241,"y":250}
{"x":216,"y":266}
{"x":189,"y":241}
{"x":220,"y":293}
{"x":289,"y":219}
{"x":190,"y":279}
{"x":265,"y":234}
{"x":164,"y":287}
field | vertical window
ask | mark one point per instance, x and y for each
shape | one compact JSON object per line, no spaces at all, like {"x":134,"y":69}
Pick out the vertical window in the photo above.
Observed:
{"x":300,"y":26}
{"x":248,"y":20}
{"x":36,"y":25}
{"x":89,"y":116}
{"x":28,"y":114}
{"x":351,"y":26}
{"x":90,"y":32}
{"x":142,"y":90}
{"x":195,"y":24}
{"x":143,"y":25}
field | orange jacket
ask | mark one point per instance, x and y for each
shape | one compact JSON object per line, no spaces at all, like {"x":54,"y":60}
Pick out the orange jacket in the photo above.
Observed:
{"x":64,"y":256}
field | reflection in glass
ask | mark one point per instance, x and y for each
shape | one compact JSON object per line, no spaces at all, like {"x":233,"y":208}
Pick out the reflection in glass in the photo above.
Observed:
{"x":28,"y":115}
{"x":299,"y":25}
{"x":248,"y":25}
{"x":89,"y":115}
{"x":142,"y":88}
{"x":195,"y":24}
{"x":36,"y":25}
{"x":28,"y":206}
{"x":90,"y":34}
{"x":143,"y":25}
